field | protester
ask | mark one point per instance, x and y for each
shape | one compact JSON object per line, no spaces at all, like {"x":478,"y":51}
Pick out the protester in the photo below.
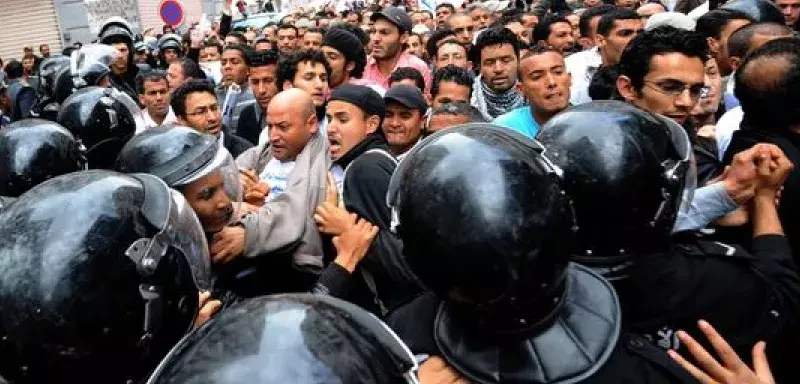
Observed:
{"x":345,"y":55}
{"x":234,"y":93}
{"x":497,"y":55}
{"x":263,"y":81}
{"x":154,"y":94}
{"x":407,"y":76}
{"x":451,"y":84}
{"x":555,"y":32}
{"x":463,"y":27}
{"x":287,"y":38}
{"x":452,"y":53}
{"x":406,"y":111}
{"x":392,"y":28}
{"x":308,"y":71}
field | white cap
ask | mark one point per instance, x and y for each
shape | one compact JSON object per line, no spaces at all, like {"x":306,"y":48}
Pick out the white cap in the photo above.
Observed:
{"x":672,"y":19}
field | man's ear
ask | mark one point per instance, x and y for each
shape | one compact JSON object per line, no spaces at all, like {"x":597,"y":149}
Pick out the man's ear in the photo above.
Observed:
{"x":586,"y":42}
{"x":713,"y":46}
{"x":311,"y":123}
{"x":403,"y":38}
{"x":141,"y":99}
{"x":625,"y":88}
{"x":373,"y":123}
{"x":600,"y":40}
{"x":734,"y":62}
{"x":349,"y":67}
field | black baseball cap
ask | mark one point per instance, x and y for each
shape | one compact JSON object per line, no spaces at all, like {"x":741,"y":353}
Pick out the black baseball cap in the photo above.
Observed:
{"x":396,"y":16}
{"x":365,"y":98}
{"x":408,"y":96}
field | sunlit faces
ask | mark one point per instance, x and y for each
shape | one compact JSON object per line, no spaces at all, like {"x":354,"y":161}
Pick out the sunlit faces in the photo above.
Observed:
{"x":347,"y":126}
{"x":463,"y":27}
{"x":289,"y":131}
{"x":545,"y":82}
{"x":481,"y":18}
{"x":287,"y":40}
{"x":155,"y":97}
{"x":561,"y":38}
{"x":209,"y":54}
{"x":671,"y":88}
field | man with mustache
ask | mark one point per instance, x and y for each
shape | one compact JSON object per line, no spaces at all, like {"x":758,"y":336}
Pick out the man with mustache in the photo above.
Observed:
{"x":391,"y":30}
{"x":195,"y":105}
{"x":283,"y":183}
{"x":154,"y":95}
{"x":308,"y":71}
{"x":406,"y":110}
{"x":494,"y":92}
{"x":545,"y":82}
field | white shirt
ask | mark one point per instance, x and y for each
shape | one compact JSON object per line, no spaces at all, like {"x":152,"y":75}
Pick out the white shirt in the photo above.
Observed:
{"x":582,"y":66}
{"x":149,"y":123}
{"x":276,"y":174}
{"x":726,"y":126}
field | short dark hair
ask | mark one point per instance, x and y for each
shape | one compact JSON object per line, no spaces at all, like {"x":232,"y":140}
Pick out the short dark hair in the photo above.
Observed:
{"x":739,"y":41}
{"x":771,"y":104}
{"x":712,"y":23}
{"x":213,"y":43}
{"x":455,"y":109}
{"x":263,"y":58}
{"x":403,"y":73}
{"x":245,"y":50}
{"x":637,"y":56}
{"x":316,"y":30}
{"x":43,"y":45}
{"x":14,"y":69}
{"x":348,"y":13}
{"x":435,"y":39}
{"x":603,"y":85}
{"x":287,"y":67}
{"x":191,"y":69}
{"x":606,"y":23}
{"x":288,"y":26}
{"x":542,"y":30}
{"x":494,"y":36}
{"x":239,"y":37}
{"x":453,"y":74}
{"x":152,"y":76}
{"x":261,"y":40}
{"x":585,"y":23}
{"x":178,"y":102}
{"x":511,"y":18}
{"x":446,"y":5}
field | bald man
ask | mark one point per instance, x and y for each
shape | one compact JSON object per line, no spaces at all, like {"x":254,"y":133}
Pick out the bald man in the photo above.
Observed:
{"x":283,"y":181}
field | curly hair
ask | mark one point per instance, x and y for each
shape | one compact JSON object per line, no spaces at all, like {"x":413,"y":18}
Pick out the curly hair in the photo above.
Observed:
{"x":287,"y":67}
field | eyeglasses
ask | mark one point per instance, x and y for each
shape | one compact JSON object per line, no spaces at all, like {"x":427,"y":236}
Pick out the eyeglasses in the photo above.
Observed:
{"x":204,"y":110}
{"x":676,"y":88}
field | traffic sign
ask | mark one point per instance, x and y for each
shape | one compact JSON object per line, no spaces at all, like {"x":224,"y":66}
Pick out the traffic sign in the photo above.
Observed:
{"x":171,"y":12}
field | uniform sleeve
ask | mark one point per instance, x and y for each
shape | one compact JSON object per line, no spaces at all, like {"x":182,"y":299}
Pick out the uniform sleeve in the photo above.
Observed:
{"x":335,"y":281}
{"x":225,"y":25}
{"x":773,"y":258}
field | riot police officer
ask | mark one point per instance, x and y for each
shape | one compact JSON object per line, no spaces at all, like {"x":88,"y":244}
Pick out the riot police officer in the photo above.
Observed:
{"x":292,"y":338}
{"x":45,"y":106}
{"x":118,"y":33}
{"x":487,"y":228}
{"x":101,"y":277}
{"x":33,"y":151}
{"x":103,"y":119}
{"x":628,"y":174}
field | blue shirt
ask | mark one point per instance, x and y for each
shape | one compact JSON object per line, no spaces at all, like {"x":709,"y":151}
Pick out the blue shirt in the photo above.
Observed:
{"x":520,"y":120}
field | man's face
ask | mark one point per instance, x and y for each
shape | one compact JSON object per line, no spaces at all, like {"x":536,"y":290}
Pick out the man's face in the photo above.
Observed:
{"x":450,"y":92}
{"x":289,"y":131}
{"x":140,"y":57}
{"x":415,"y":46}
{"x":208,"y":54}
{"x":621,"y":34}
{"x":263,"y":46}
{"x":231,"y":40}
{"x":234,"y":68}
{"x":271,"y":33}
{"x":522,"y":34}
{"x":464,"y":28}
{"x":287,"y":40}
{"x":545,"y":82}
{"x":442,"y":14}
{"x":402,"y":126}
{"x":338,"y":64}
{"x":709,"y":104}
{"x":155,"y":98}
{"x":45,"y":50}
{"x":312,"y":40}
{"x":790,"y":9}
{"x":170,"y":55}
{"x":481,"y":18}
{"x":352,"y":18}
{"x":263,"y":84}
{"x":719,"y":48}
{"x":529,"y":21}
{"x":444,"y":121}
{"x":592,"y":3}
{"x":312,"y":78}
{"x":386,"y":40}
{"x":626,"y":3}
{"x":27,"y":65}
{"x":452,"y":54}
{"x":202,"y":113}
{"x":121,"y":65}
{"x":499,"y":67}
{"x":175,"y":77}
{"x":347,"y":127}
{"x":209,"y":201}
{"x":561,"y":38}
{"x":419,"y":18}
{"x":664,"y":89}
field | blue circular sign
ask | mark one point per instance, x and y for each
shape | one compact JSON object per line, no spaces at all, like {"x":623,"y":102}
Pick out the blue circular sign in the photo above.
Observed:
{"x":171,"y":12}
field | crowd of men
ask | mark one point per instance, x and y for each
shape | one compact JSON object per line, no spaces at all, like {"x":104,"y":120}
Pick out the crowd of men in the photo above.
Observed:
{"x":495,"y":192}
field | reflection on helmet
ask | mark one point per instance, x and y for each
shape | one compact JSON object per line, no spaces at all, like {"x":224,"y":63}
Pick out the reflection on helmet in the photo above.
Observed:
{"x":627,"y":173}
{"x":91,"y":64}
{"x":181,"y":156}
{"x":170,"y":41}
{"x":47,"y":77}
{"x":35,"y":150}
{"x":293,"y":338}
{"x":116,"y":29}
{"x":485,"y":225}
{"x":96,"y":285}
{"x":103,"y":119}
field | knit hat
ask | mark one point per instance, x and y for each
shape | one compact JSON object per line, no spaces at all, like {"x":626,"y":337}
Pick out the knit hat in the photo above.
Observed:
{"x":345,"y":42}
{"x":364,"y":98}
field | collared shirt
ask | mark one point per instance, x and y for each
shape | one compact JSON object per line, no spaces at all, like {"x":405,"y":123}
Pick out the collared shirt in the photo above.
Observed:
{"x":726,"y":126}
{"x":582,"y":66}
{"x":372,"y":72}
{"x":149,"y":123}
{"x":520,"y":120}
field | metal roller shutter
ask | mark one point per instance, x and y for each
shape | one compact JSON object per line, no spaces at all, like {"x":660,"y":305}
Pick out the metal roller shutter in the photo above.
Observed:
{"x":27,"y":22}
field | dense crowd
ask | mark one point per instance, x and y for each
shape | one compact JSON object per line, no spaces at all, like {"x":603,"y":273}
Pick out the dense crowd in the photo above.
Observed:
{"x":491,"y":192}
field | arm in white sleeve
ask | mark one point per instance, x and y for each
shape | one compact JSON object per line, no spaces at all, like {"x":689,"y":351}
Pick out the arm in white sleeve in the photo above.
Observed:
{"x":709,"y":203}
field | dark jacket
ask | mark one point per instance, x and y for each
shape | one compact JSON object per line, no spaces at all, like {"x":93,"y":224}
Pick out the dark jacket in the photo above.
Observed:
{"x":251,"y":123}
{"x":235,"y":144}
{"x":747,"y":296}
{"x":127,"y":82}
{"x":633,"y":360}
{"x":366,"y":181}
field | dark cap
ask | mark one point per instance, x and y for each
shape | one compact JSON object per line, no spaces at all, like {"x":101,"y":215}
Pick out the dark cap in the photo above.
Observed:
{"x":408,"y":96}
{"x":396,"y":16}
{"x":343,"y":41}
{"x":362,"y":97}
